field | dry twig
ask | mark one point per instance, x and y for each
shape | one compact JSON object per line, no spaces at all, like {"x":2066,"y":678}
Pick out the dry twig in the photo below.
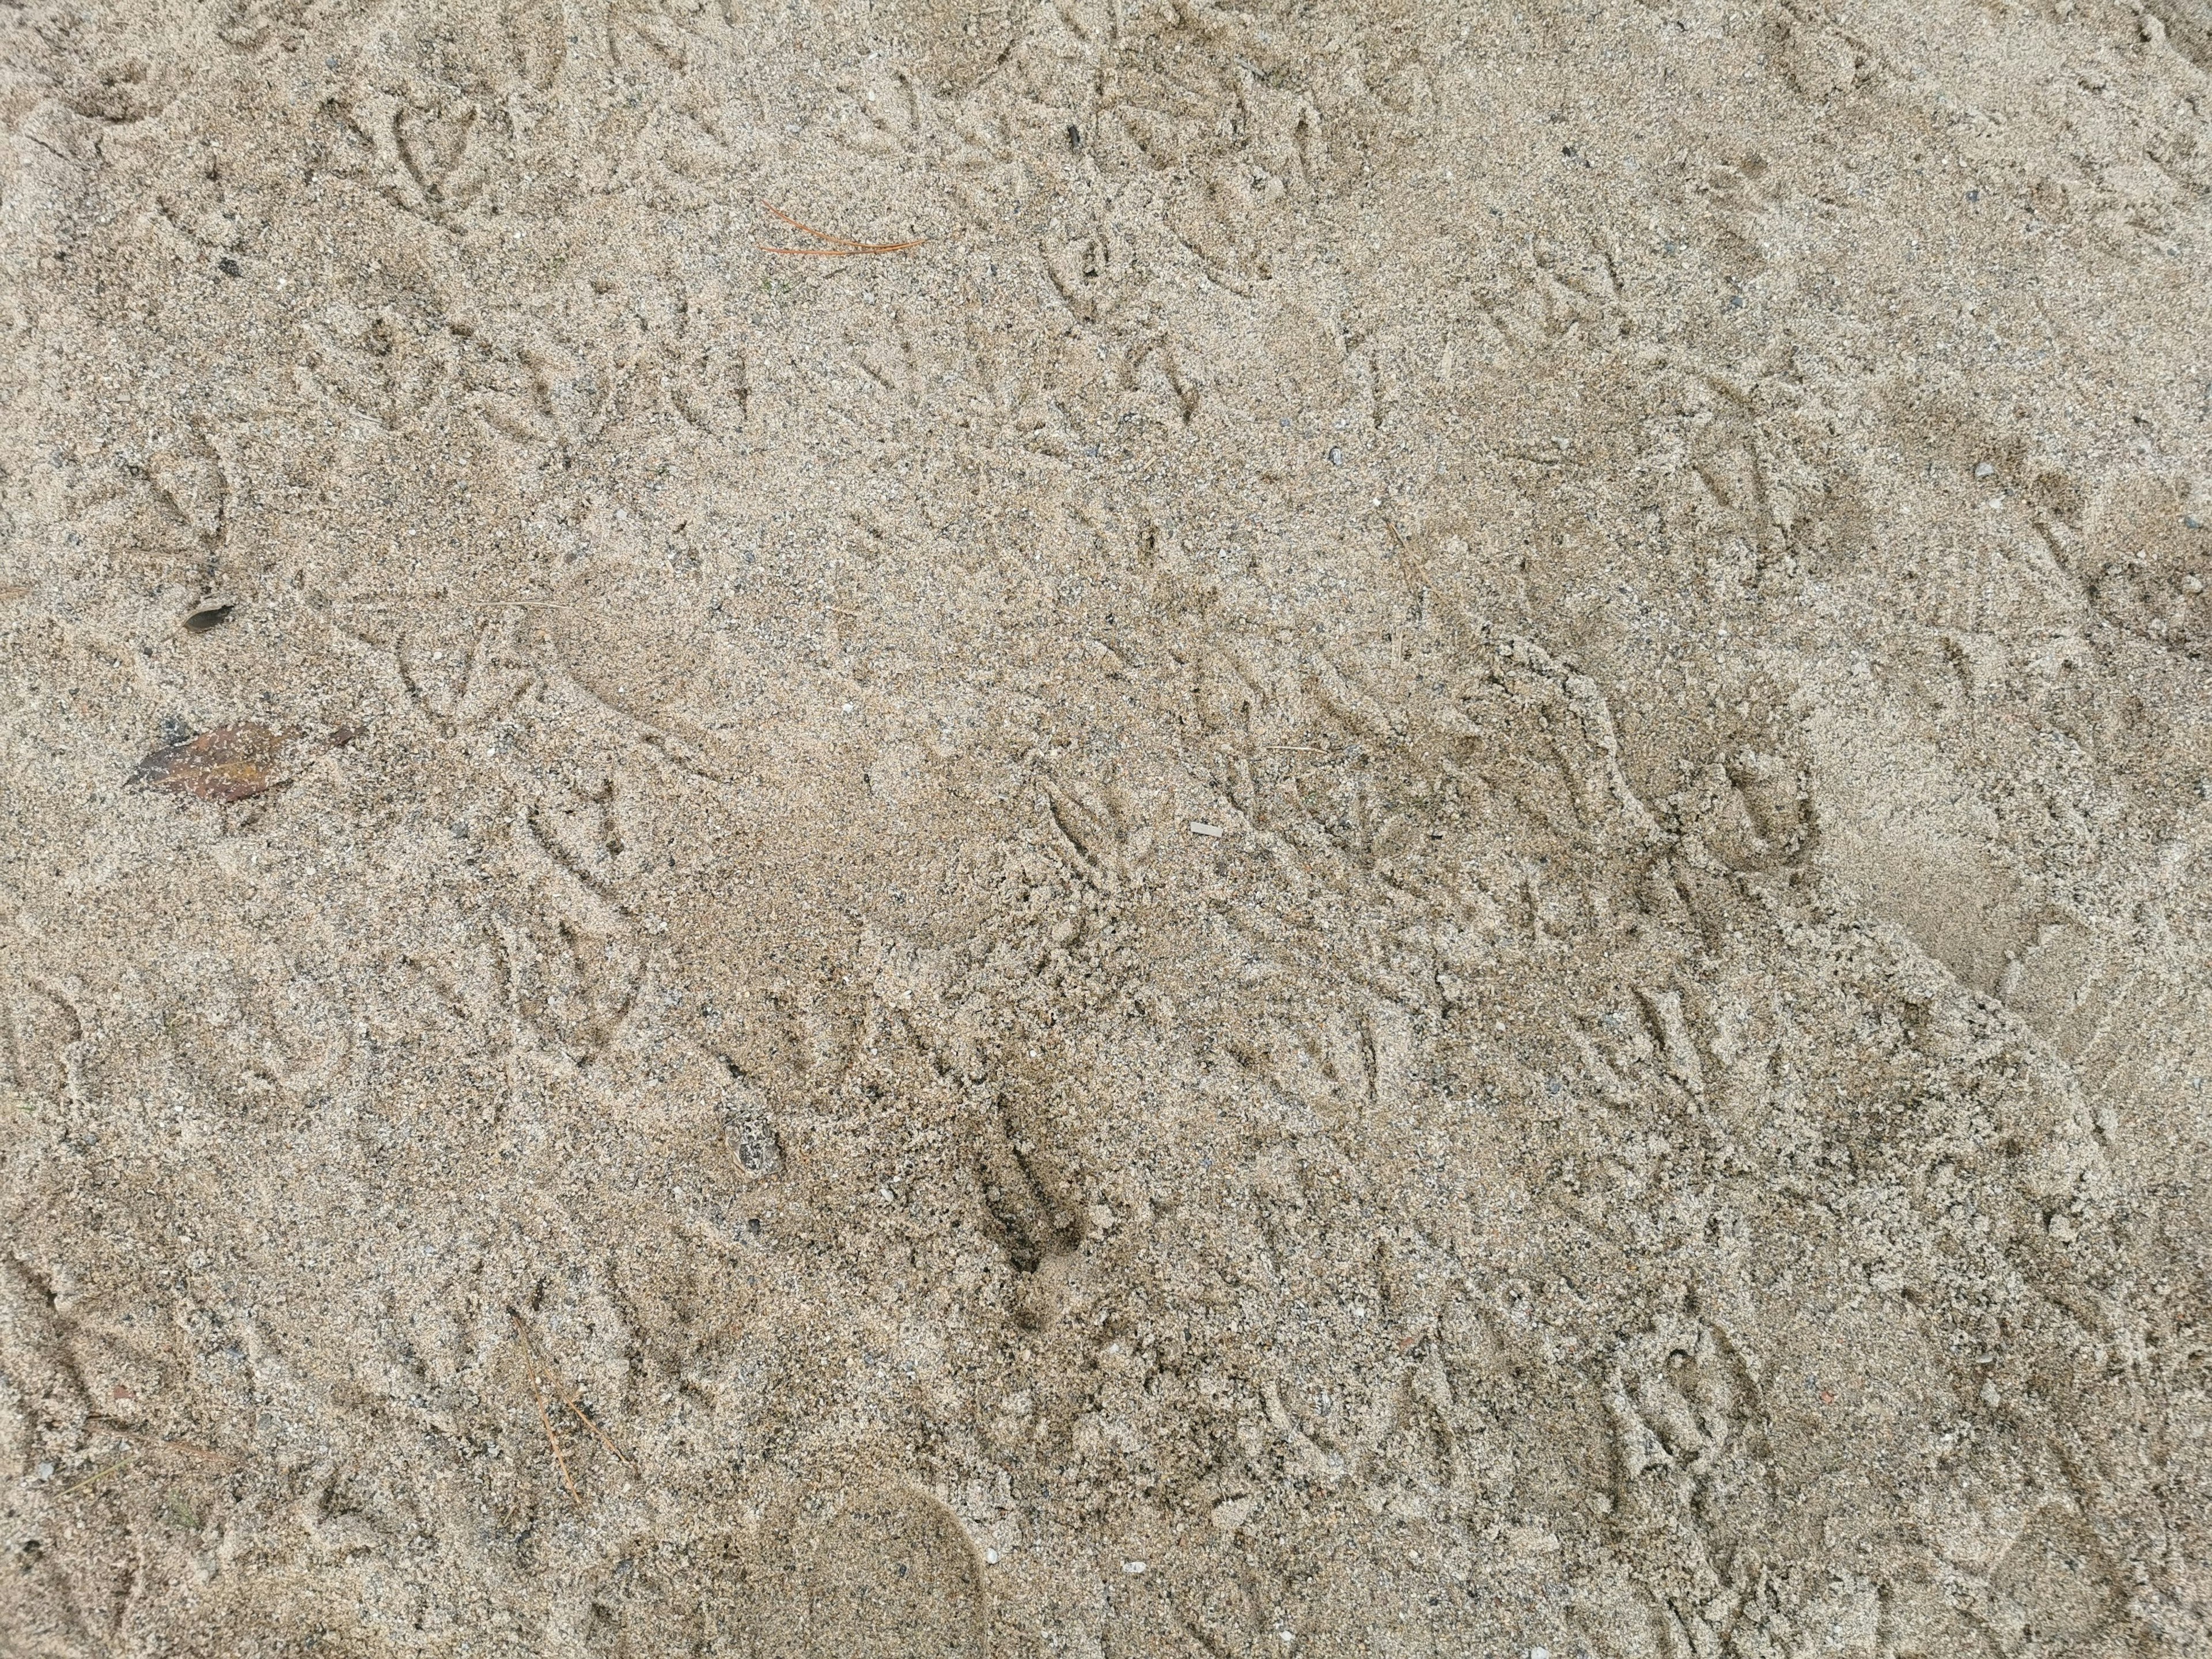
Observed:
{"x":97,"y":1476}
{"x":601,"y":1434}
{"x":547,"y":1423}
{"x":533,"y":1354}
{"x":845,"y":248}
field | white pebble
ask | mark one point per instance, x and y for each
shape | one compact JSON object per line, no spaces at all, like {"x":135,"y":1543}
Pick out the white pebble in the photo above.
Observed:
{"x":1232,"y":1513}
{"x":1133,"y":1568}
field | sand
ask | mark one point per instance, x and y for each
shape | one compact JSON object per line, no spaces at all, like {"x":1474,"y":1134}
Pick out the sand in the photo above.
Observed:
{"x":1413,"y":862}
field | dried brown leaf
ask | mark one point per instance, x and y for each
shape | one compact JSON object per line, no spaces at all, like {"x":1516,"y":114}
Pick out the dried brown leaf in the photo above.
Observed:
{"x":230,"y":764}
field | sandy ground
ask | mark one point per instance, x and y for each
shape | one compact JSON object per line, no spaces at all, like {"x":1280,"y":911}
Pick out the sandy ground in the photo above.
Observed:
{"x":1414,"y":863}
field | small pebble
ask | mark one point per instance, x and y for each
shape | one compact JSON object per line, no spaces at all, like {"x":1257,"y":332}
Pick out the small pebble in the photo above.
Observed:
{"x":1134,"y":1569}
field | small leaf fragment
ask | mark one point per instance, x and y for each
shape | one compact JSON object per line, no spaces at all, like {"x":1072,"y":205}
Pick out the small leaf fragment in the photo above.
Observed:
{"x":230,"y":764}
